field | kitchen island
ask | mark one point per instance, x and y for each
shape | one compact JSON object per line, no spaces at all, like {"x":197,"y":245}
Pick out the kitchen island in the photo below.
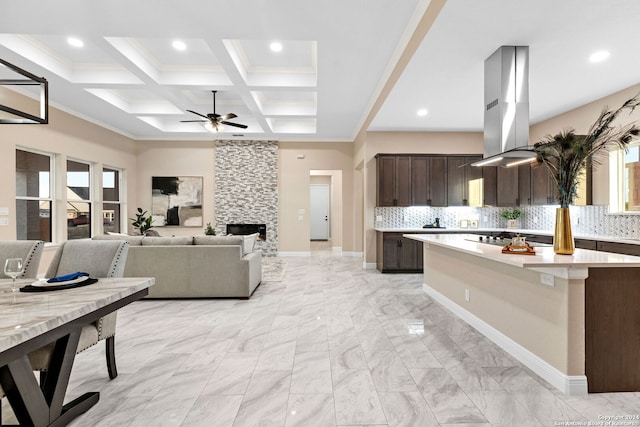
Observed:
{"x":572,"y":319}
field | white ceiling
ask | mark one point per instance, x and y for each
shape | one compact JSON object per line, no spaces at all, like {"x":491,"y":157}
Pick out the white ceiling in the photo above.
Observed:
{"x":336,"y":57}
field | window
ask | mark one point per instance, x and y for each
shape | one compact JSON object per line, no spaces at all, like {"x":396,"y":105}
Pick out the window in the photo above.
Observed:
{"x":78,"y":200}
{"x":625,"y":180}
{"x":111,"y":200}
{"x":33,"y":196}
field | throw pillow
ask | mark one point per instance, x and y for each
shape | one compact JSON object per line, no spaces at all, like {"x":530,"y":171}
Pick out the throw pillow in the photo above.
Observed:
{"x":249,"y":242}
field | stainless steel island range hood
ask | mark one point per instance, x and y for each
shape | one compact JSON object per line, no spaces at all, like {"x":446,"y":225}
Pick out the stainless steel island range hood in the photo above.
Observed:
{"x":506,"y":114}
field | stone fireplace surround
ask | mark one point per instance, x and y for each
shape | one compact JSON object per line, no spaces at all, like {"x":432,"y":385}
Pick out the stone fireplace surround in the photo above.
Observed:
{"x":246,"y":188}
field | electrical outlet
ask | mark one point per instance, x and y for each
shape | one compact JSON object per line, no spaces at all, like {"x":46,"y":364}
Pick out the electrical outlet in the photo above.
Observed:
{"x":378,"y":218}
{"x":4,"y":222}
{"x":535,"y":219}
{"x":547,"y":279}
{"x":467,"y":296}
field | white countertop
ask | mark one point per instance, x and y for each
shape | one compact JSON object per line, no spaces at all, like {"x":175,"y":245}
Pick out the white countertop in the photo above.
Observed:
{"x":544,"y":258}
{"x":498,"y":230}
{"x":26,"y":315}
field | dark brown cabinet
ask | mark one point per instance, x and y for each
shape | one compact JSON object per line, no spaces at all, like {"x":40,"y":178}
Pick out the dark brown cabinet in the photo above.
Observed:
{"x":524,"y":185}
{"x":397,"y":254}
{"x":501,"y":186}
{"x":459,"y":174}
{"x":542,"y":186}
{"x":507,"y":187}
{"x":429,"y":181}
{"x":394,"y":180}
{"x":619,"y":248}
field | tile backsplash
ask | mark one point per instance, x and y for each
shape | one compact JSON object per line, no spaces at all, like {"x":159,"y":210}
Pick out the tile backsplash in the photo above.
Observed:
{"x":585,"y":220}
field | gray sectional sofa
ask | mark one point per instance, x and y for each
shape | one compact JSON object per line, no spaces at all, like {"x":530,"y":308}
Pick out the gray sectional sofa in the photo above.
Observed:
{"x":194,"y":267}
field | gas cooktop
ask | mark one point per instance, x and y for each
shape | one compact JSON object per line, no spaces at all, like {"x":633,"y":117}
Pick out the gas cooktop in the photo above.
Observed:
{"x":501,"y":241}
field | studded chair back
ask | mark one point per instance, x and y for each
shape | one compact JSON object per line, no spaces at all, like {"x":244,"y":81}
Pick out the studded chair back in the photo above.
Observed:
{"x":29,"y":250}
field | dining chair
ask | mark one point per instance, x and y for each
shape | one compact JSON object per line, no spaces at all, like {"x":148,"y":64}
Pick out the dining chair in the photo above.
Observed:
{"x":100,"y":259}
{"x":29,"y":250}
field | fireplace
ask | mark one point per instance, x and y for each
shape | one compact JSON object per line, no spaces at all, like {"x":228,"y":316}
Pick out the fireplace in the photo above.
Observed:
{"x":243,"y":229}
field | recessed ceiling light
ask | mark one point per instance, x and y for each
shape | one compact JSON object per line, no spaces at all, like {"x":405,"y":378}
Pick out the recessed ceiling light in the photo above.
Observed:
{"x":422,"y":112}
{"x":179,"y":45}
{"x":275,"y":47}
{"x":599,"y":56}
{"x":75,"y":42}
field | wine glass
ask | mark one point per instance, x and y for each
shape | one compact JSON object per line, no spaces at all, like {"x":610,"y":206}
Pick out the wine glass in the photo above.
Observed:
{"x":13,"y":268}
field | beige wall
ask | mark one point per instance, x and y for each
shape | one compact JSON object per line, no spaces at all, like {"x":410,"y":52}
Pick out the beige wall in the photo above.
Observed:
{"x":177,"y":158}
{"x":66,"y":136}
{"x":294,"y":180}
{"x":406,"y":142}
{"x":547,"y":321}
{"x":580,"y":119}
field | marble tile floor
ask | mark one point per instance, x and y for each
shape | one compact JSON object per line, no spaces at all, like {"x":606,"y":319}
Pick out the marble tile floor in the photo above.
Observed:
{"x":329,"y":345}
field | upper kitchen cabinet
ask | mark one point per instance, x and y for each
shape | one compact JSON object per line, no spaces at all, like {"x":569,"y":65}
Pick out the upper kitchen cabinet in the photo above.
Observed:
{"x":464,"y":182}
{"x":394,"y":180}
{"x":524,"y":184}
{"x":500,"y":186}
{"x":429,"y":180}
{"x":542,"y":186}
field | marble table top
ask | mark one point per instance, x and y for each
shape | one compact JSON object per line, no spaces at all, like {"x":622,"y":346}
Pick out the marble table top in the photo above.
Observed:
{"x":26,"y":315}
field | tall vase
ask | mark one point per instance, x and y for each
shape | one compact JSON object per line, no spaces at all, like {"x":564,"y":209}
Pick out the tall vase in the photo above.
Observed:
{"x":563,"y":243}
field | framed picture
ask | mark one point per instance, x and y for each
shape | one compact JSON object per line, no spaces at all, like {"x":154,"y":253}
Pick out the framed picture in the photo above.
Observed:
{"x":176,"y":201}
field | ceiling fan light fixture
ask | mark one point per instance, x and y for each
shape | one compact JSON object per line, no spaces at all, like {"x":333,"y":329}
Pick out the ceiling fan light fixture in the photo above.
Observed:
{"x":213,"y":128}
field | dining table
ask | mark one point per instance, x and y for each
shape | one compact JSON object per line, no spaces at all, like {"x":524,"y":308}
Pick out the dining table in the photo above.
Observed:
{"x":32,"y":320}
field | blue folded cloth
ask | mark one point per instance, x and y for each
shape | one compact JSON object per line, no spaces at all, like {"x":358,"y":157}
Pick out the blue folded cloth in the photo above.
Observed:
{"x":67,"y":277}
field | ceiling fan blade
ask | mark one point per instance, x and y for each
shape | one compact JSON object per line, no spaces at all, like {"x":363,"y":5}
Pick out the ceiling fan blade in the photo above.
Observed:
{"x":228,"y":116}
{"x":234,"y":124}
{"x":193,"y":121}
{"x":198,"y":114}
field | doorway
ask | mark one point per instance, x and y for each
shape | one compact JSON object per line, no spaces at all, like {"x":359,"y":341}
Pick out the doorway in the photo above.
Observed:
{"x":319,"y":211}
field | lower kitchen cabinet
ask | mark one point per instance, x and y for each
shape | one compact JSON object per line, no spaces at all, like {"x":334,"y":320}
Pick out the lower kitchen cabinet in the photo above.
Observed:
{"x":619,"y":248}
{"x":397,"y":254}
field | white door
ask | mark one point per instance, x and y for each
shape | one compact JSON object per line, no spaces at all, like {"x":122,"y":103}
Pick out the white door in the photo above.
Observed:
{"x":319,"y":211}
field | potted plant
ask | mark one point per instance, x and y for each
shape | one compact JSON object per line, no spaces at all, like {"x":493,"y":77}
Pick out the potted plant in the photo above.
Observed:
{"x":141,"y":222}
{"x":566,"y":154}
{"x":209,"y":231}
{"x":511,"y":215}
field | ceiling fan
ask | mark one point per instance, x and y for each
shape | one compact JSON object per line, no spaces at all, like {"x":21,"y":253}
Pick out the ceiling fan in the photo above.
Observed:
{"x":215,"y":121}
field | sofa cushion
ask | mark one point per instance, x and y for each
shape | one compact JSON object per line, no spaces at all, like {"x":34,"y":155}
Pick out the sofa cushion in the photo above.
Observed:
{"x":133,"y":240}
{"x":164,"y":241}
{"x":220,"y":240}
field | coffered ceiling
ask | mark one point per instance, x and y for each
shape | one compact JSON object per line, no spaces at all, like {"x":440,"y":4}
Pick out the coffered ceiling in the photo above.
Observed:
{"x":336,"y":57}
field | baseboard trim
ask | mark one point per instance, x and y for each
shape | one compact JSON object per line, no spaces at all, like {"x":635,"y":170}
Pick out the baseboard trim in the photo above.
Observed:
{"x":294,"y":254}
{"x":369,"y":265}
{"x":572,"y":385}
